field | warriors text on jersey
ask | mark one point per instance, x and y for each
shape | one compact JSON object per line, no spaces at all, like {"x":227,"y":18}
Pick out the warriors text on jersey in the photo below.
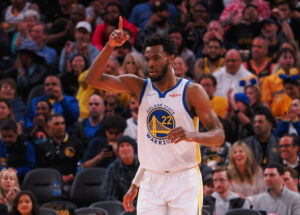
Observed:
{"x":159,"y":113}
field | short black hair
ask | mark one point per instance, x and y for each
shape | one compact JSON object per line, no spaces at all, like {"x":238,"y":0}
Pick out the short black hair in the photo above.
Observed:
{"x":209,"y":76}
{"x":267,"y":114}
{"x":46,"y":101}
{"x":277,"y":166}
{"x":9,"y":125}
{"x":114,"y":122}
{"x":165,"y":40}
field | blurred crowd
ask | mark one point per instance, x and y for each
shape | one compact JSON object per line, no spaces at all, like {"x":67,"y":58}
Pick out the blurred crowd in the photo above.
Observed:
{"x":244,"y":53}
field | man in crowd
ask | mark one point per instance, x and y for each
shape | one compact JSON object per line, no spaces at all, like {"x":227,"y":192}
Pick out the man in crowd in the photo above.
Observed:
{"x":223,"y":199}
{"x":264,"y":145}
{"x":120,"y":173}
{"x":61,"y":151}
{"x":15,"y":151}
{"x":288,"y":149}
{"x":290,"y":179}
{"x":228,"y":77}
{"x":277,"y":199}
{"x":61,"y":104}
{"x":259,"y":64}
{"x":86,"y":129}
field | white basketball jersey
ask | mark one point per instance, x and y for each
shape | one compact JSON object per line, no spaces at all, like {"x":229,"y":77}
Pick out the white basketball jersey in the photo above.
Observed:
{"x":159,"y":113}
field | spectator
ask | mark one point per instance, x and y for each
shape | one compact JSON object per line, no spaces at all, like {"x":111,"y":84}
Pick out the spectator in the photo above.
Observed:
{"x":113,"y":10}
{"x":29,"y":69}
{"x":235,"y":9}
{"x":6,"y":113}
{"x":218,"y":103}
{"x":61,"y":151}
{"x":133,"y":64}
{"x":81,"y":45}
{"x":180,"y":68}
{"x":213,"y":61}
{"x":287,"y":202}
{"x":15,"y":151}
{"x":98,"y":153}
{"x":291,"y":88}
{"x":272,"y":88}
{"x":25,"y":203}
{"x":275,"y":33}
{"x":114,"y":106}
{"x":121,"y":172}
{"x":24,"y":29}
{"x":223,"y":199}
{"x":242,"y":30}
{"x":62,"y":104}
{"x":16,"y":11}
{"x":258,"y":64}
{"x":228,"y":77}
{"x":264,"y":145}
{"x":289,"y":151}
{"x":286,"y":8}
{"x":289,"y":123}
{"x":247,"y":175}
{"x":95,"y":12}
{"x":131,"y":128}
{"x":63,"y":27}
{"x":208,"y":186}
{"x":38,"y":133}
{"x":239,"y":115}
{"x":8,"y":91}
{"x":9,"y":187}
{"x":85,"y":130}
{"x":214,"y":30}
{"x":290,"y":179}
{"x":159,"y":23}
{"x":142,"y":13}
{"x":177,"y":34}
{"x":39,"y":34}
{"x":196,"y":23}
{"x":254,"y":94}
{"x":75,"y":67}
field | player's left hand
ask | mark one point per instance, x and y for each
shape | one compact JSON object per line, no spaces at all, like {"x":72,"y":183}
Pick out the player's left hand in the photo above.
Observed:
{"x":178,"y":134}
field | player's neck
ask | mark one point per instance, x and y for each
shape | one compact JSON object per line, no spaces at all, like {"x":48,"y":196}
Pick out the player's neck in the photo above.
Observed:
{"x":166,"y":83}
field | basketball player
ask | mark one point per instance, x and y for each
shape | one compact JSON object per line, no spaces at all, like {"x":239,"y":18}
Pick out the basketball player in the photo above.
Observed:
{"x":168,"y":144}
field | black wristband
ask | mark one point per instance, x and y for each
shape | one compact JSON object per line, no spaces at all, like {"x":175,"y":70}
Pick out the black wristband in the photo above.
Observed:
{"x":236,"y":111}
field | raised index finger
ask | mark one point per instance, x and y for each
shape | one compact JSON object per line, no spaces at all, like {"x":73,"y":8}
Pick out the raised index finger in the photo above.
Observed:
{"x":120,"y":23}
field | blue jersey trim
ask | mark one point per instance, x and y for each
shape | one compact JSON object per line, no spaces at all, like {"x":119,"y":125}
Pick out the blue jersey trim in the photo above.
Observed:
{"x":184,"y":100}
{"x":163,"y":95}
{"x":143,"y":91}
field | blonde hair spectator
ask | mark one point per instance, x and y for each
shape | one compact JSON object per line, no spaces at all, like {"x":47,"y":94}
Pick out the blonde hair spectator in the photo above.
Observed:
{"x":134,"y":64}
{"x":9,"y":186}
{"x":247,"y":175}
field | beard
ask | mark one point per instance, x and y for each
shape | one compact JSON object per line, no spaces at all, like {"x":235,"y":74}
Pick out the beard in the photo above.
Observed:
{"x":213,"y":59}
{"x":162,"y":74}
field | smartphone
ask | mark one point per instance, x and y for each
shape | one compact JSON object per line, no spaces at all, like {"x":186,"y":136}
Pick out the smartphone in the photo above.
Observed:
{"x":109,"y":147}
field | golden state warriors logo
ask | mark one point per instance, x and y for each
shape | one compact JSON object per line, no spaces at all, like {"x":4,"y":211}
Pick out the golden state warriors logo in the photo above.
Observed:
{"x":160,"y":122}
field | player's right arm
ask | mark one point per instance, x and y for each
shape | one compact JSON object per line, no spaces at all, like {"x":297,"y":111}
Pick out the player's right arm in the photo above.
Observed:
{"x":123,"y":83}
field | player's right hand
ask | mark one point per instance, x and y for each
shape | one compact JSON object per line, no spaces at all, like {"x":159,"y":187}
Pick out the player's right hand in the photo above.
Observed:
{"x":118,"y":37}
{"x":129,"y":197}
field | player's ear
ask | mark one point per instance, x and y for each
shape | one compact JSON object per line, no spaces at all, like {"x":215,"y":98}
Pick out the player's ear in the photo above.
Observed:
{"x":171,"y":59}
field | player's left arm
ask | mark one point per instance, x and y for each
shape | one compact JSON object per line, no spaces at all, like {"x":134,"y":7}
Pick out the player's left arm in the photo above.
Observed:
{"x":198,"y":102}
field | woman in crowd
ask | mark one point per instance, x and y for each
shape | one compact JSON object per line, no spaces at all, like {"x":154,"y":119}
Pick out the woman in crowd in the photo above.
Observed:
{"x":8,"y":91}
{"x":9,"y":186}
{"x":247,"y":175}
{"x":25,"y":204}
{"x":75,"y":67}
{"x":133,"y":64}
